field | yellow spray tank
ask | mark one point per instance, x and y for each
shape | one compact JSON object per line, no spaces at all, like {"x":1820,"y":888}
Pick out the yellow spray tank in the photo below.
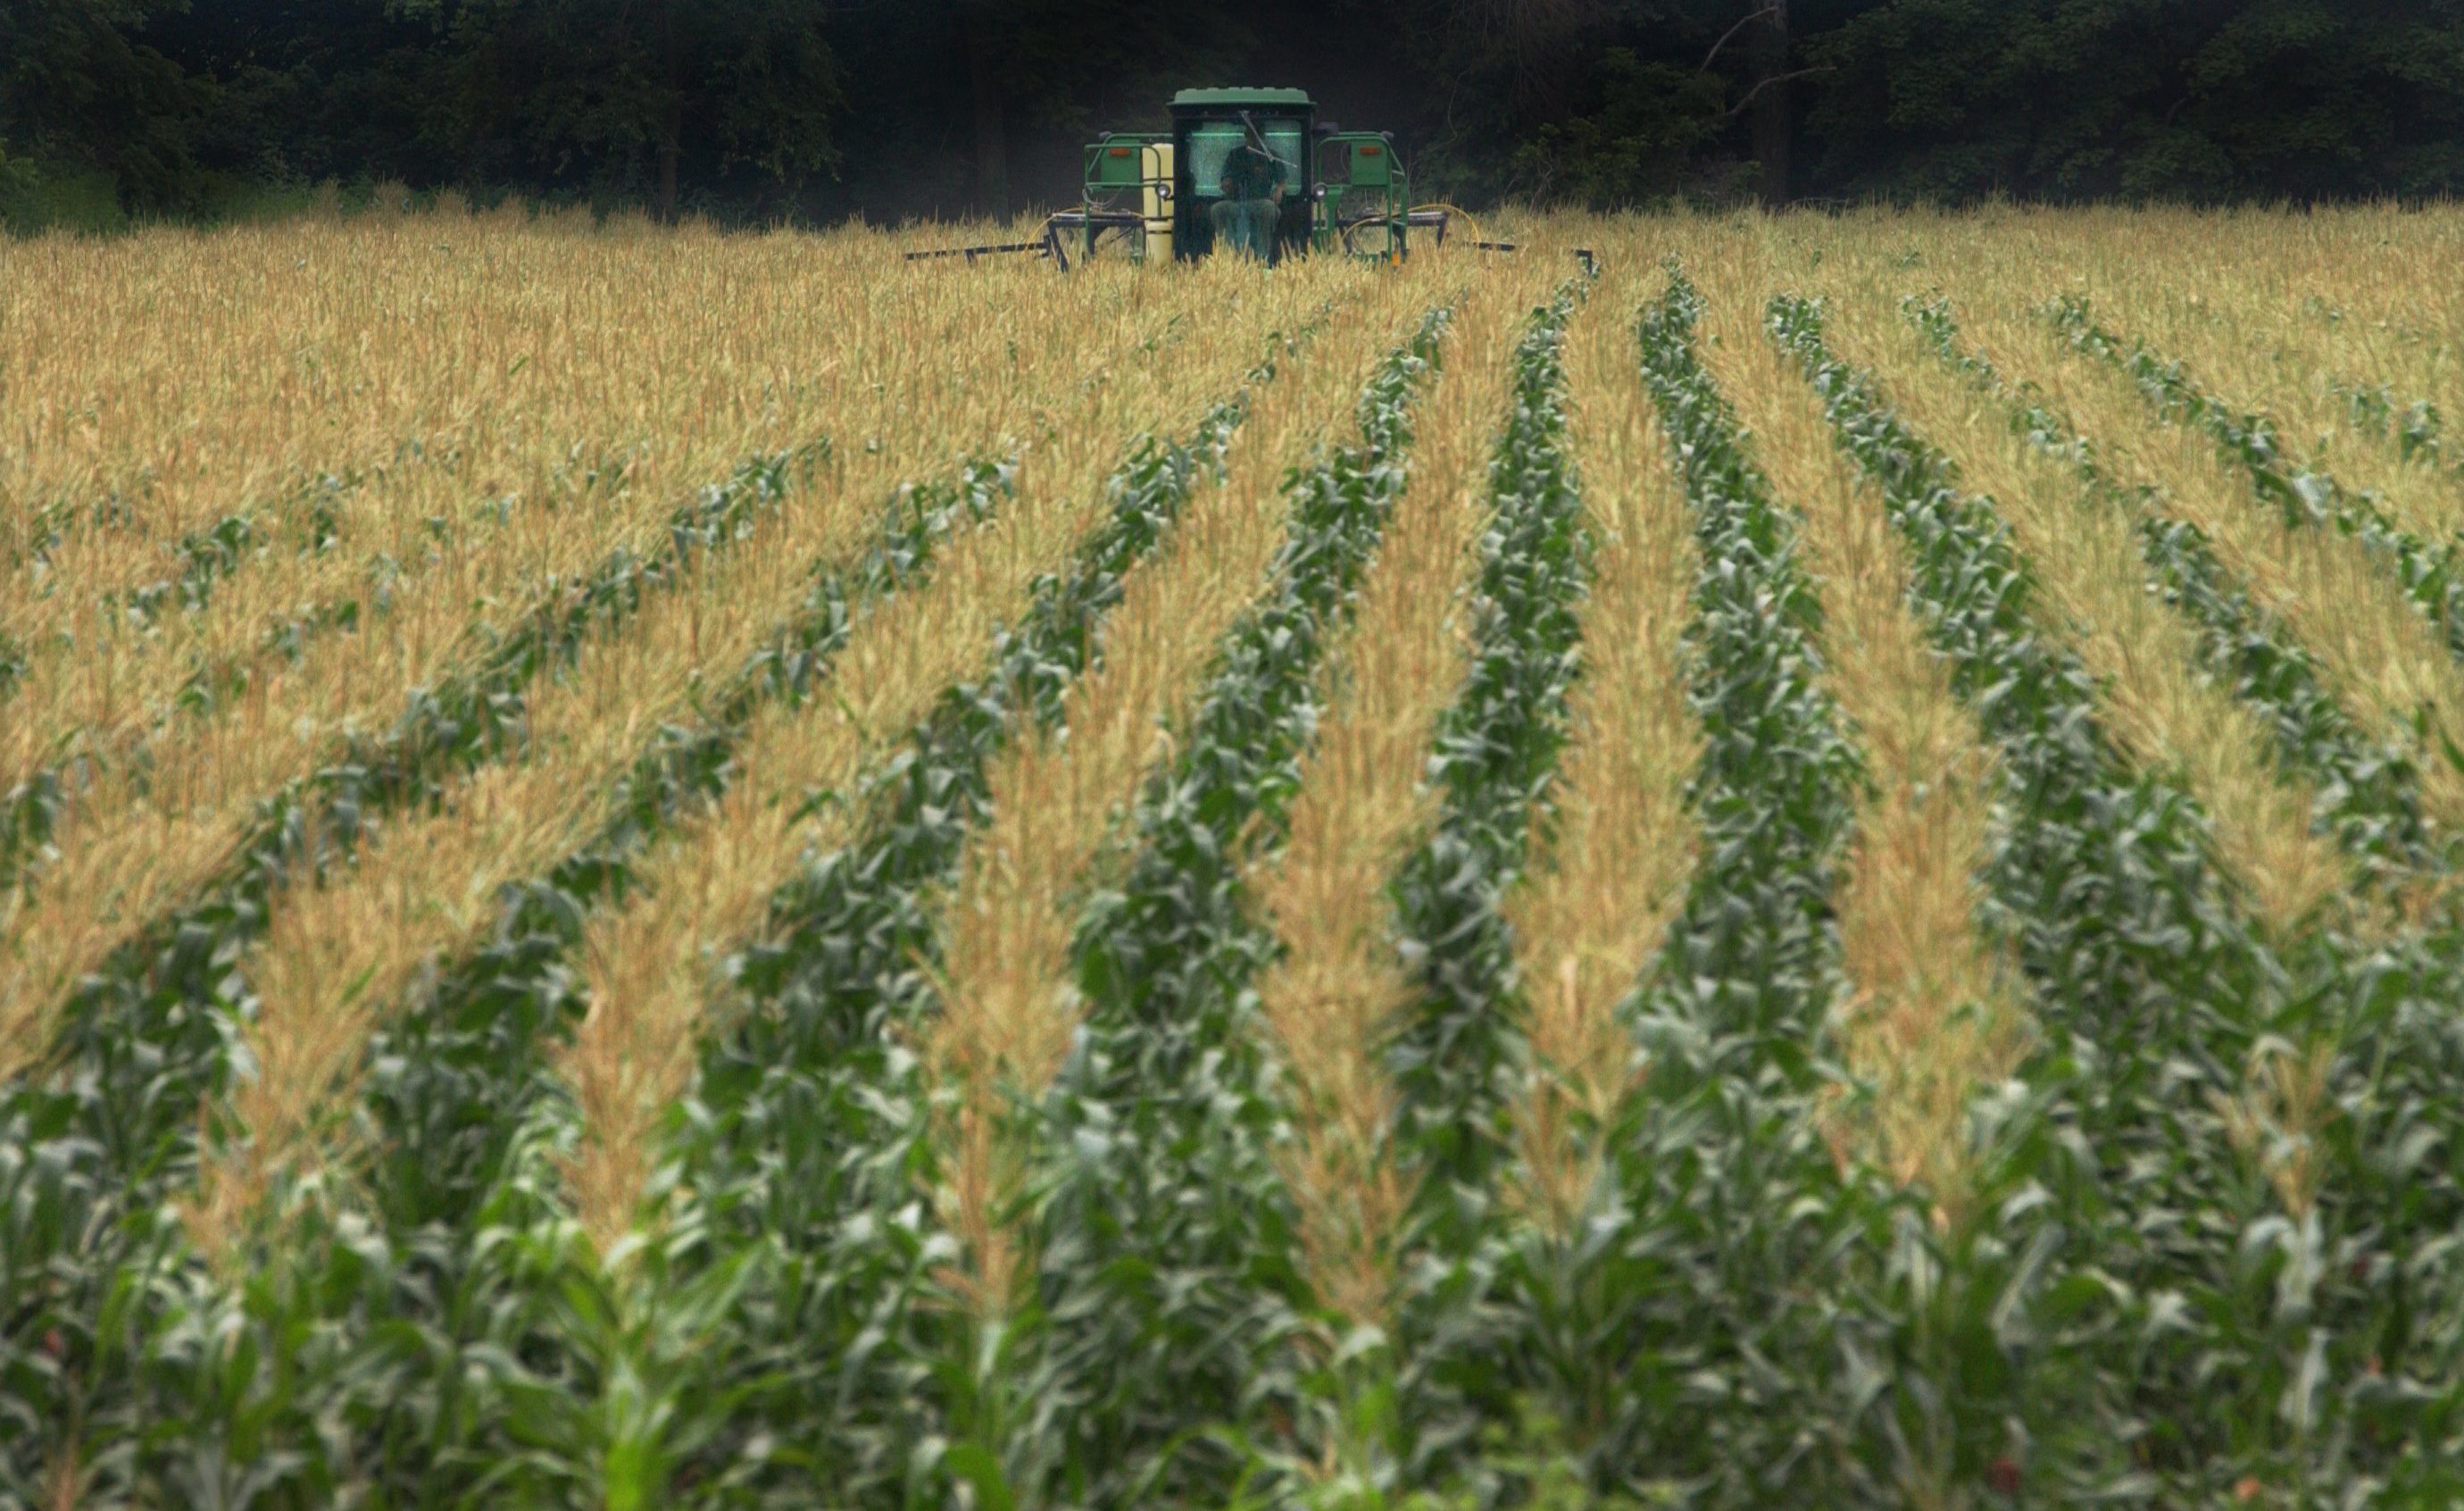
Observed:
{"x":1156,"y":165}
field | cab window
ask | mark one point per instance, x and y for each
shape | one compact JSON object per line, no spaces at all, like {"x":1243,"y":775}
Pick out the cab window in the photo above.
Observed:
{"x":1212,"y":142}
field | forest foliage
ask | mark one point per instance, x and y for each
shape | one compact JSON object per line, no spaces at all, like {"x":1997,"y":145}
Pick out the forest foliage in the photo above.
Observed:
{"x":818,"y":110}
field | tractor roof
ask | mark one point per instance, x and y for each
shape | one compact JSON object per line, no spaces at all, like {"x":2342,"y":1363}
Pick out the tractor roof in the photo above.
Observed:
{"x":1260,"y":99}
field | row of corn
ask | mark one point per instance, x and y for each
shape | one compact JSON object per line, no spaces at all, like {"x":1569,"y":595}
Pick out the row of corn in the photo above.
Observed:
{"x":1766,"y":880}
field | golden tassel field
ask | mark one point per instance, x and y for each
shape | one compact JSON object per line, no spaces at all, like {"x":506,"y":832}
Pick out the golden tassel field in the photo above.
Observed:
{"x":1804,"y":859}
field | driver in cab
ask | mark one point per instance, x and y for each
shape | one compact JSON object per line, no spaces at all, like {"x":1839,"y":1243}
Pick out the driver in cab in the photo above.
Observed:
{"x":1251,"y":211}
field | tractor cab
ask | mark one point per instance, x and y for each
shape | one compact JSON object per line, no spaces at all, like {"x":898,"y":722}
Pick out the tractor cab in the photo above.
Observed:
{"x":1208,"y":125}
{"x":1154,"y":196}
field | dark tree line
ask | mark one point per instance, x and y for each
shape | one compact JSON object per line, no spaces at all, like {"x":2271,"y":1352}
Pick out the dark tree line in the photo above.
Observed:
{"x":821,"y":108}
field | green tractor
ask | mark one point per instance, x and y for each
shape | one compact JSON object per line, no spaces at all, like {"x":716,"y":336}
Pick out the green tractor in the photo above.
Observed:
{"x":1160,"y":196}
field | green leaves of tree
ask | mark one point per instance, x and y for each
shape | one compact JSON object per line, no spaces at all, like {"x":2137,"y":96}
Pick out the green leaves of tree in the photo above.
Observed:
{"x":2078,"y":98}
{"x":78,"y":81}
{"x":607,"y":92}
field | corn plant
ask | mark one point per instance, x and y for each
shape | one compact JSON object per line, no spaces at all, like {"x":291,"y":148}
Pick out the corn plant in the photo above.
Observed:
{"x":468,"y":712}
{"x":1163,"y":1321}
{"x":515,"y":994}
{"x":2372,"y":801}
{"x":1496,"y":751}
{"x":2227,"y":1305}
{"x":2418,"y":428}
{"x":2304,"y":497}
{"x":449,"y":1081}
{"x":892,"y":1407}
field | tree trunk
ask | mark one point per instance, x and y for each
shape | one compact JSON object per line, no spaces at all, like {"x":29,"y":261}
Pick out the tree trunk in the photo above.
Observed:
{"x":672,"y":112}
{"x":992,"y":114}
{"x":1774,"y":124}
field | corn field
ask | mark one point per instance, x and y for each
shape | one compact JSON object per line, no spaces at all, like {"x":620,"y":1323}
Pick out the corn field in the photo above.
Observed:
{"x":647,"y":868}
